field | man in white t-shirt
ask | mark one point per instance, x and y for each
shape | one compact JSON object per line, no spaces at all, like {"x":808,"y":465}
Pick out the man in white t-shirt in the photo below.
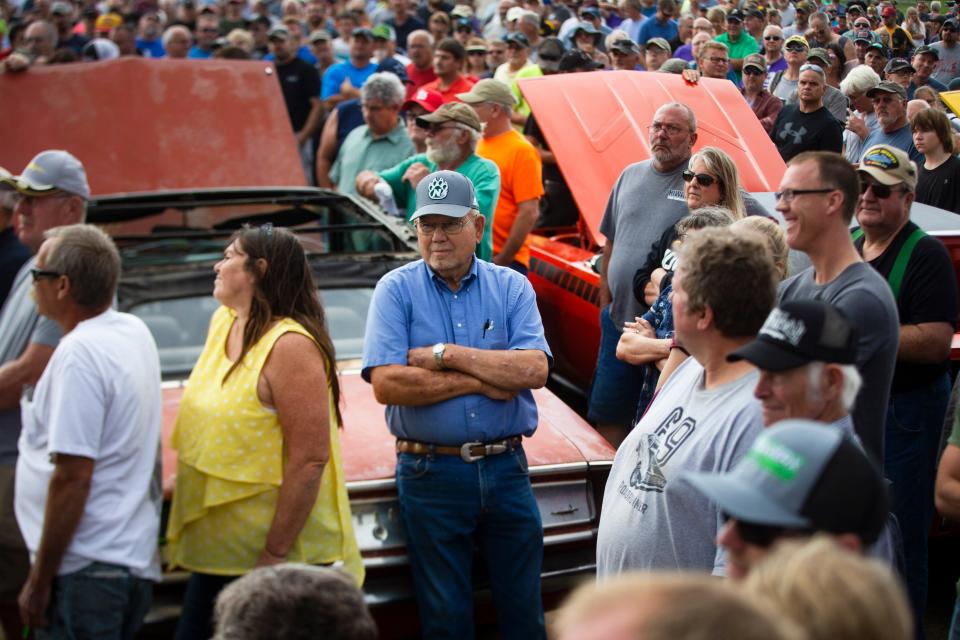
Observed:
{"x":703,"y":419}
{"x":87,"y":483}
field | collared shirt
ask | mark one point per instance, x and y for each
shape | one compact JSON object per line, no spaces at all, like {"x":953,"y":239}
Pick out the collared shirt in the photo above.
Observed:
{"x":494,"y":308}
{"x":361,"y":151}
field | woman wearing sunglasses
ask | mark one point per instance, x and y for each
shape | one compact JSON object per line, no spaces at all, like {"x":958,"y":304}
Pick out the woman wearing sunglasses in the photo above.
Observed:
{"x":259,"y":474}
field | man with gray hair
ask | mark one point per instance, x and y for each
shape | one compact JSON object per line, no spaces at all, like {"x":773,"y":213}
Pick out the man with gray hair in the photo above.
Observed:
{"x":295,"y":602}
{"x":890,"y":104}
{"x":88,"y":491}
{"x":51,"y":191}
{"x":382,"y":141}
{"x":861,"y":118}
{"x":40,"y":41}
{"x":177,"y":41}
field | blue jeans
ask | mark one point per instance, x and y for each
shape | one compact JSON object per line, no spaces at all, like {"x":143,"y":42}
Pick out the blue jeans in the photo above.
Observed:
{"x":101,"y":601}
{"x":955,"y":625}
{"x":448,"y":508}
{"x":616,"y":385}
{"x":912,"y":440}
{"x":196,"y":614}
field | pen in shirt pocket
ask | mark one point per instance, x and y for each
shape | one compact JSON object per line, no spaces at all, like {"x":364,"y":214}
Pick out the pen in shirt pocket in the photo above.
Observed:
{"x":488,"y":325}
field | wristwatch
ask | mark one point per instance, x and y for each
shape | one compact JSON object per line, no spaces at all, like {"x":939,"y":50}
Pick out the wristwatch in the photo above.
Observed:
{"x":438,"y":350}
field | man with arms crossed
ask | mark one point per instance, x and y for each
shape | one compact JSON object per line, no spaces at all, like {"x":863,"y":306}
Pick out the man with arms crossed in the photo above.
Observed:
{"x":453,"y":347}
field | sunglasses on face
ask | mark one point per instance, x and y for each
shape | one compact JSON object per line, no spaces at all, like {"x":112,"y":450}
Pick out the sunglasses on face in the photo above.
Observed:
{"x":880,"y":191}
{"x":796,"y":48}
{"x":752,"y":71}
{"x":703,"y":179}
{"x":772,"y":38}
{"x":37,"y":274}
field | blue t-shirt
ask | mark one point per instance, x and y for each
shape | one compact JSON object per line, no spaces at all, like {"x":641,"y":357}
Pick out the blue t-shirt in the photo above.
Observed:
{"x":931,"y":82}
{"x":199,"y":54}
{"x":494,"y":308}
{"x":336,"y":74}
{"x":151,"y":48}
{"x":653,"y":29}
{"x":902,"y":139}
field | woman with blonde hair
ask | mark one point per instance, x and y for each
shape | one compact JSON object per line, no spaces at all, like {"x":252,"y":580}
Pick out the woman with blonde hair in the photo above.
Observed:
{"x":711,"y":168}
{"x":259,"y":475}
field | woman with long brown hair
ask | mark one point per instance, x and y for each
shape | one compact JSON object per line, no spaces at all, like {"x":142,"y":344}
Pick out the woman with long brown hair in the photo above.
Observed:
{"x":259,"y":476}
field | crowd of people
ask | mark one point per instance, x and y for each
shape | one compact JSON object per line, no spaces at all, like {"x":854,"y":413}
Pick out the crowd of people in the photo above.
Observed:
{"x":778,"y":429}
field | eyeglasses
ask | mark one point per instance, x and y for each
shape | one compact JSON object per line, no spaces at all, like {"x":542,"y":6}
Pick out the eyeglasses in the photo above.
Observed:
{"x":772,"y":38}
{"x":266,"y":230}
{"x":476,"y":53}
{"x":703,"y":179}
{"x":717,"y":60}
{"x":437,"y":128}
{"x":788,"y":195}
{"x":753,"y":71}
{"x":44,"y":273}
{"x":880,"y":191}
{"x":796,"y":48}
{"x":671,"y":129}
{"x":757,"y":535}
{"x":450,"y":228}
{"x":812,"y":67}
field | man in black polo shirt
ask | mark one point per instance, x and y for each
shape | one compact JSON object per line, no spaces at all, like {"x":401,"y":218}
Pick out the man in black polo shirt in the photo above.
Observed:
{"x":807,"y":125}
{"x":920,"y":273}
{"x":300,"y":83}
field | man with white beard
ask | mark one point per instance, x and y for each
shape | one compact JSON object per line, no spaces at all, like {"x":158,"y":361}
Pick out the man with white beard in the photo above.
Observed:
{"x":454,"y":130}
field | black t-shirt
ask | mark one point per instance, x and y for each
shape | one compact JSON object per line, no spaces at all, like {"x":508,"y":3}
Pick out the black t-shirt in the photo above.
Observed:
{"x":940,"y":187}
{"x":928,"y":293}
{"x":412,"y":24}
{"x":795,"y":131}
{"x":299,"y":81}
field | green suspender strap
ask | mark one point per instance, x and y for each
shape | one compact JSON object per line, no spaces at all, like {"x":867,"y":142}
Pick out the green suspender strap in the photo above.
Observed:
{"x":895,"y":279}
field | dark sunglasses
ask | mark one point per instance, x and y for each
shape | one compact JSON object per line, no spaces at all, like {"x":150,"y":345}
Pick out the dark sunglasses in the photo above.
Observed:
{"x":796,"y":48}
{"x":758,"y":535}
{"x":703,"y":179}
{"x":880,"y":191}
{"x":43,"y":273}
{"x":772,"y":38}
{"x":753,"y":71}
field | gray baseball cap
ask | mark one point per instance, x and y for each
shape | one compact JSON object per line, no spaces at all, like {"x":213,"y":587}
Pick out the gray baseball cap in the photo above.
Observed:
{"x":802,"y":474}
{"x":51,"y":171}
{"x":445,"y":193}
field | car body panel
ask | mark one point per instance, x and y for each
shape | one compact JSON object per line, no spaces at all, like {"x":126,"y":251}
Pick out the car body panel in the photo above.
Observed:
{"x":596,"y":125}
{"x":142,"y":125}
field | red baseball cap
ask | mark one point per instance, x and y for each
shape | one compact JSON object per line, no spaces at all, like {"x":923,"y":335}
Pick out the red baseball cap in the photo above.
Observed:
{"x":429,"y":100}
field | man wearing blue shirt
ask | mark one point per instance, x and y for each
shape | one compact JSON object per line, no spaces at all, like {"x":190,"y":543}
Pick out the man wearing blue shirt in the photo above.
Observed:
{"x":453,"y":347}
{"x":662,"y":26}
{"x":342,"y":81}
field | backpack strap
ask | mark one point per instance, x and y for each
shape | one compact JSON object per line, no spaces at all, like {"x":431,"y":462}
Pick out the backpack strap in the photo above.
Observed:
{"x":895,"y":279}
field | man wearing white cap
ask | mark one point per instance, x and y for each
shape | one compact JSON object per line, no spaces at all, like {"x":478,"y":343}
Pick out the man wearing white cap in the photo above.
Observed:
{"x":920,"y":274}
{"x":53,"y":192}
{"x":453,"y":347}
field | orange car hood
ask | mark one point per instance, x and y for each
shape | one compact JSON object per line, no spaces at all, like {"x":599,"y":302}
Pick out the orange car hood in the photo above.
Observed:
{"x":142,"y":125}
{"x":596,"y":124}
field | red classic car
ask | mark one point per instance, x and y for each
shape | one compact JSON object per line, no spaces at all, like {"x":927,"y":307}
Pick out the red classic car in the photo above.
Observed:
{"x":180,"y":153}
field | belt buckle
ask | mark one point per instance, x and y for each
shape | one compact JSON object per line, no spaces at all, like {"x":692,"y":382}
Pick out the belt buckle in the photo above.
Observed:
{"x":465,"y":454}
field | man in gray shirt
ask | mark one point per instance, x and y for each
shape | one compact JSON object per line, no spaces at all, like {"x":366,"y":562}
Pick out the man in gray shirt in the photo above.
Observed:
{"x":53,"y":192}
{"x":818,"y":196}
{"x":948,"y":64}
{"x":703,"y":419}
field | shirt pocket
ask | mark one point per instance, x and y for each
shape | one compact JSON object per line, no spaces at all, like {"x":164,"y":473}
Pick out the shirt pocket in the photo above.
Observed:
{"x":32,"y":430}
{"x":493,"y":337}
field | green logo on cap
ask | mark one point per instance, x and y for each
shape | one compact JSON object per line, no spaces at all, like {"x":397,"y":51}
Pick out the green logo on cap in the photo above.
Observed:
{"x":775,"y":458}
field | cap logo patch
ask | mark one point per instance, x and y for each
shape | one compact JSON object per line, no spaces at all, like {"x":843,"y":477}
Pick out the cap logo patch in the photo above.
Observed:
{"x":776,"y":459}
{"x":881,"y":159}
{"x":437,"y":189}
{"x":780,"y":326}
{"x":422,"y":94}
{"x":36,"y":167}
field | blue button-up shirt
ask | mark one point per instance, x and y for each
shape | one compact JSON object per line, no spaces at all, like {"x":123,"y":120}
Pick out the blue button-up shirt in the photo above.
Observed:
{"x":494,"y":308}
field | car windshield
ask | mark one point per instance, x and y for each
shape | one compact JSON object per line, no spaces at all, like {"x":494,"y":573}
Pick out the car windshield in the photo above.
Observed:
{"x":179,"y":325}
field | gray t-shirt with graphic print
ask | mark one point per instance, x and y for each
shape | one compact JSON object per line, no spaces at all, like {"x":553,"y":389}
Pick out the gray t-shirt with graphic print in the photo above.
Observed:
{"x":650,"y":520}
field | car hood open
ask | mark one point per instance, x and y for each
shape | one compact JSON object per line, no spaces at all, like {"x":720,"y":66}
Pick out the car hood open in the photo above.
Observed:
{"x":596,"y":124}
{"x":141,"y":125}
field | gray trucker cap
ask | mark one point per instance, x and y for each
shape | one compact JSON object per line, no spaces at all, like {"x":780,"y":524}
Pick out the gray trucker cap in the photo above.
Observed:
{"x":445,"y":193}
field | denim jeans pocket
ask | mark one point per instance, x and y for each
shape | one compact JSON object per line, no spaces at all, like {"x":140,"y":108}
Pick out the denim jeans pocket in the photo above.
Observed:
{"x":411,"y":466}
{"x":520,"y":457}
{"x":905,"y":416}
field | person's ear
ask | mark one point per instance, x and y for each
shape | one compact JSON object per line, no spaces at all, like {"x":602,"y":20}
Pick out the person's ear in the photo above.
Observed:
{"x":831,"y":382}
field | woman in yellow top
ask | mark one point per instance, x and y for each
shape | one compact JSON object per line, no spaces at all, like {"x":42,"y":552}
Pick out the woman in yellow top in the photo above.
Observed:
{"x":259,"y":476}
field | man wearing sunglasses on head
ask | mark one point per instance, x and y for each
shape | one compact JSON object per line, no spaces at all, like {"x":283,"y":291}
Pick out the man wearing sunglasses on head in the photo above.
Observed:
{"x":920,"y":273}
{"x":53,"y":192}
{"x":799,"y":478}
{"x":807,"y":125}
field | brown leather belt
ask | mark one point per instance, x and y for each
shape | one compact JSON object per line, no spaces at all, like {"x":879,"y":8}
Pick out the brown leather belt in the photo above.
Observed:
{"x":468,"y":451}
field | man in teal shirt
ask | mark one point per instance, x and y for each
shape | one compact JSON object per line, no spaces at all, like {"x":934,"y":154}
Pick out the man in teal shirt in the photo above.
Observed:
{"x":454,"y":132}
{"x":739,"y":43}
{"x":382,"y":140}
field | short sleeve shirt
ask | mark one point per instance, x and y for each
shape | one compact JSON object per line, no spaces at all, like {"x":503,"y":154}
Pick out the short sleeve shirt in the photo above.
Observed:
{"x":494,"y":308}
{"x":336,"y":74}
{"x":362,"y":152}
{"x":520,"y":180}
